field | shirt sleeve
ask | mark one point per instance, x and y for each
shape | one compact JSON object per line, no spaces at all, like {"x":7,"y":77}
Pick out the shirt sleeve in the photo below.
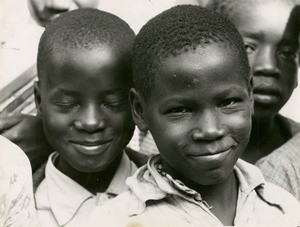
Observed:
{"x":16,"y":194}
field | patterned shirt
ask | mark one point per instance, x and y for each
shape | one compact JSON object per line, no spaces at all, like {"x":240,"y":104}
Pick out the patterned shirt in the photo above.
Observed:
{"x":61,"y":201}
{"x":282,"y":166}
{"x":156,"y":200}
{"x":16,"y":195}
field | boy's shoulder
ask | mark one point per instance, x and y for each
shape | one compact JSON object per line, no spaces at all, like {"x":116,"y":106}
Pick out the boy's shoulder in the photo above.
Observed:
{"x":287,"y":125}
{"x":11,"y":153}
{"x":282,"y":166}
{"x":150,"y":203}
{"x":286,"y":202}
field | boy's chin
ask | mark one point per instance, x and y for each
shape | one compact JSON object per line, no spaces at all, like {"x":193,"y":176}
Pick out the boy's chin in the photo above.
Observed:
{"x":263,"y":113}
{"x":210,"y":178}
{"x":214,"y":178}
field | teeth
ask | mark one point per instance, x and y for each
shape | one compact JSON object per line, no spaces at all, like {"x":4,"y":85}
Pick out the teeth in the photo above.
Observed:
{"x":90,"y":148}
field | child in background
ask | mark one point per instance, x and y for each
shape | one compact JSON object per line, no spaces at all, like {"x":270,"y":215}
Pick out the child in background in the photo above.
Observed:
{"x":193,"y":92}
{"x":275,"y":142}
{"x":16,"y":195}
{"x":84,"y":71}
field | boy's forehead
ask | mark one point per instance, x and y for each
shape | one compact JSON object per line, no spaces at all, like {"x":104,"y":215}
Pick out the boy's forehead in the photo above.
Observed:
{"x":268,"y":18}
{"x":236,"y":6}
{"x":202,"y":56}
{"x":233,"y":3}
{"x":101,"y":53}
{"x":98,"y":62}
{"x":212,"y":59}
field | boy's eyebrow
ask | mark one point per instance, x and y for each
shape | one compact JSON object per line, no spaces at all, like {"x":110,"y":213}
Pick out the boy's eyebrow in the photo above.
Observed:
{"x":256,"y":35}
{"x":116,"y":91}
{"x":229,"y":90}
{"x":64,"y":91}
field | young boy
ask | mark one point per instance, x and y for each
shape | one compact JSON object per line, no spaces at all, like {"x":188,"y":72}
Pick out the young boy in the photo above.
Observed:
{"x":273,"y":55}
{"x":84,"y":71}
{"x":193,"y":92}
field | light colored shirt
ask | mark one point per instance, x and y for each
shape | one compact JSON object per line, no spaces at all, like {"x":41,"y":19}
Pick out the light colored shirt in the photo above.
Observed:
{"x":154,"y":200}
{"x":282,"y":166}
{"x":16,"y":195}
{"x":61,"y":201}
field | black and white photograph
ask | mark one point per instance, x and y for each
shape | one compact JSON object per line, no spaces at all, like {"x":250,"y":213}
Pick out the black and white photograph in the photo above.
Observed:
{"x":149,"y":113}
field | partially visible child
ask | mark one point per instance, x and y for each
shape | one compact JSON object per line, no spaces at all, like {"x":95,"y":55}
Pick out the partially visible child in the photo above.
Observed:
{"x":16,"y":195}
{"x":84,"y":71}
{"x":273,"y":58}
{"x":193,"y":92}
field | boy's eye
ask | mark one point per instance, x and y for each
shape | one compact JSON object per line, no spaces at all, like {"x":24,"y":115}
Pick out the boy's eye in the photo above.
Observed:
{"x":119,"y":105}
{"x":288,"y":54}
{"x":178,"y":111}
{"x":229,"y":102}
{"x":249,"y":48}
{"x":66,"y":106}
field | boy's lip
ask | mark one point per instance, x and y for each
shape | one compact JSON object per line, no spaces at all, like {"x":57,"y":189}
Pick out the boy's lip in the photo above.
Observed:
{"x":267,"y":95}
{"x":91,"y":142}
{"x":211,"y":152}
{"x":90,"y":147}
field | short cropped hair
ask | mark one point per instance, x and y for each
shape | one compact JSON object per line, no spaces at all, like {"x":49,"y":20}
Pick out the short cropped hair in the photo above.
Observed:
{"x":179,"y":30}
{"x":227,"y":7}
{"x":84,"y":29}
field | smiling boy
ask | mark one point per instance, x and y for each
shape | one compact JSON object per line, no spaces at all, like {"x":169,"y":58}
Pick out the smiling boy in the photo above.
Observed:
{"x":193,"y":92}
{"x":273,"y":56}
{"x":84,"y":70}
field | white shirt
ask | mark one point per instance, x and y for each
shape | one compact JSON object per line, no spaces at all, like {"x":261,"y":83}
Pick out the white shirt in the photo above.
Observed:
{"x":155,"y":200}
{"x":16,"y":195}
{"x":61,"y":201}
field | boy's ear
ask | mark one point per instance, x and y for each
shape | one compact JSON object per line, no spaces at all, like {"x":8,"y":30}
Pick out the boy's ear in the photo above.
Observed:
{"x":138,"y":110}
{"x":37,"y":97}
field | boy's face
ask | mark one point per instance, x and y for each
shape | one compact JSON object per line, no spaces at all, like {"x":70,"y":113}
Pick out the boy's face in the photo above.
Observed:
{"x":274,"y":61}
{"x":84,"y":105}
{"x":199,"y":113}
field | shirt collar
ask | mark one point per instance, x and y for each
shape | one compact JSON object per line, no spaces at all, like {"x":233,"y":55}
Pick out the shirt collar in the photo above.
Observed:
{"x":126,"y":169}
{"x":66,"y":196}
{"x":148,"y":184}
{"x":249,"y":176}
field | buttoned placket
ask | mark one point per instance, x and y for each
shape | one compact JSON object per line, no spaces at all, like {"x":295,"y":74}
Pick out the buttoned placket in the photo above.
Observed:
{"x":192,"y":195}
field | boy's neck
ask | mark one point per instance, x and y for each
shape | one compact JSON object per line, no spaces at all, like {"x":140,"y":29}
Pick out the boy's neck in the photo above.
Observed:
{"x":266,"y":136}
{"x":222,"y":197}
{"x":94,"y":182}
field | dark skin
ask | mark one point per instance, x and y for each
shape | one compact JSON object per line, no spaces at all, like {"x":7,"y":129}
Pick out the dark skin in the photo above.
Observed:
{"x":94,"y":182}
{"x":266,"y":136}
{"x":187,"y":119}
{"x":272,"y":51}
{"x":26,"y":130}
{"x":89,"y":128}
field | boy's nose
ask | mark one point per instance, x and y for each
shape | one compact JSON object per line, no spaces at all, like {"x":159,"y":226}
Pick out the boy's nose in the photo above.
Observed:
{"x":266,"y":63}
{"x":90,"y":120}
{"x":208,"y":127}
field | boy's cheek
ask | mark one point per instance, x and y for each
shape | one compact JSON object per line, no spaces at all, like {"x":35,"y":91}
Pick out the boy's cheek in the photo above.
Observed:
{"x":56,"y":122}
{"x":241,"y":125}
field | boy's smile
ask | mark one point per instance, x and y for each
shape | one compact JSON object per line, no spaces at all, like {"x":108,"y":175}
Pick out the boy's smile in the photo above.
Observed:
{"x":85,"y":108}
{"x":90,"y":147}
{"x":273,"y":60}
{"x":199,"y":113}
